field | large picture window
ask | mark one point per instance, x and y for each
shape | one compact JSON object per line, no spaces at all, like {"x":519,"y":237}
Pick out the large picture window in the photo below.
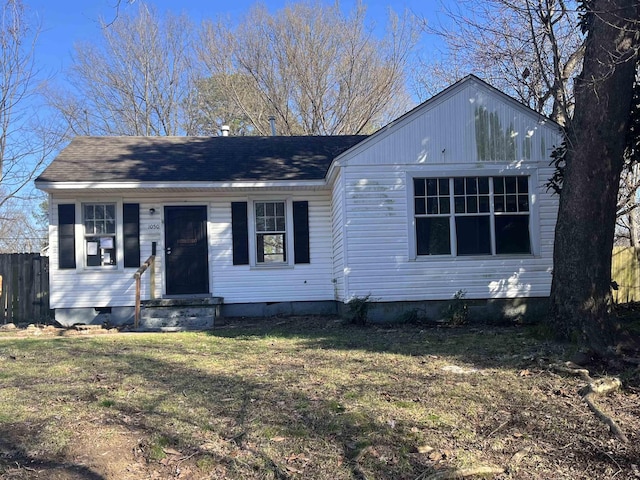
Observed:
{"x":472,"y":215}
{"x":99,"y":221}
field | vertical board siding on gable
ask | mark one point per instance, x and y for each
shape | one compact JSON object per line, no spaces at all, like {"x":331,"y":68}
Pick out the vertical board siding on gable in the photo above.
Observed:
{"x":378,"y":248}
{"x":445,"y":133}
{"x":302,"y":282}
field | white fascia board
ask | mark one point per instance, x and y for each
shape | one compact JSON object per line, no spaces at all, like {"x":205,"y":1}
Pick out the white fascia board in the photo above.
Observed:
{"x":67,"y":186}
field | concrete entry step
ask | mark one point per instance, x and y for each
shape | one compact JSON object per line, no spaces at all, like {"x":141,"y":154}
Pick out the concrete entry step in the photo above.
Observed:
{"x":178,"y":314}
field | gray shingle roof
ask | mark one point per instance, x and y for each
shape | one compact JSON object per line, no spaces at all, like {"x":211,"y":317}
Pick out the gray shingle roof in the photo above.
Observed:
{"x":186,"y":159}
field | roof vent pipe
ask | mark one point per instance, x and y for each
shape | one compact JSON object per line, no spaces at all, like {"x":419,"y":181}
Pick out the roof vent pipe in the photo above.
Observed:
{"x":272,"y":122}
{"x":225,"y":130}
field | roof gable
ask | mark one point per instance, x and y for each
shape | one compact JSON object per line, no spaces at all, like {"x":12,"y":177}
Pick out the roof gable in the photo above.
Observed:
{"x":196,"y":159}
{"x":468,"y":122}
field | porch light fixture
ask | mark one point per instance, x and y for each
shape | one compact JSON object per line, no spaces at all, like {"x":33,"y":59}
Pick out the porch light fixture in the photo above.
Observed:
{"x":152,"y":211}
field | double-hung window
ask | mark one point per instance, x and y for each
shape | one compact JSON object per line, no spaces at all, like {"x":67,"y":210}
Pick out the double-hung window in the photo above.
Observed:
{"x":271,"y":232}
{"x":99,"y":221}
{"x":472,"y":215}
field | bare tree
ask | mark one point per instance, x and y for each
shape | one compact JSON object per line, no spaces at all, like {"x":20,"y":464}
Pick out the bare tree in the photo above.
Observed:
{"x":21,"y":229}
{"x":24,"y":143}
{"x":315,"y":69}
{"x":137,"y":81}
{"x":598,"y":142}
{"x":528,"y":48}
{"x":218,"y":100}
{"x":531,"y":49}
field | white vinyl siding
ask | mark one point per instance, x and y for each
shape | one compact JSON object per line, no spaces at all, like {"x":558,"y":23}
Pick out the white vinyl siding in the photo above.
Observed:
{"x":337,"y":231}
{"x":235,"y":283}
{"x":379,"y":225}
{"x":441,"y":139}
{"x":299,"y":282}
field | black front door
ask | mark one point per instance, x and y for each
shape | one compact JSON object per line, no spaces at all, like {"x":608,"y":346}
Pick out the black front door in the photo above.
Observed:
{"x":185,"y":233}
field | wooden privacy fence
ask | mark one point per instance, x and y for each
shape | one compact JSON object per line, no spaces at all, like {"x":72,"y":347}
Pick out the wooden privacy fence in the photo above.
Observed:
{"x":624,"y":271}
{"x":24,"y":288}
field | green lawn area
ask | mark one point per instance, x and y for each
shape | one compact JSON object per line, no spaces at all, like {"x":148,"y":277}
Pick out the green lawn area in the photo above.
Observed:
{"x":304,"y":398}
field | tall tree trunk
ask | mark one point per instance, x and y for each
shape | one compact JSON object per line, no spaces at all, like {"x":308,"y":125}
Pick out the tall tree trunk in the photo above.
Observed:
{"x":580,"y":291}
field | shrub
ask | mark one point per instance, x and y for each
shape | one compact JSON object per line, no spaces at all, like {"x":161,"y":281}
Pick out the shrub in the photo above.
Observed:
{"x":456,"y":312}
{"x":359,"y":309}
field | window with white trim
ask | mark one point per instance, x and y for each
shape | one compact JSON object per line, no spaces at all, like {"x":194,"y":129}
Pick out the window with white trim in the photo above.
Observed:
{"x":472,"y":215}
{"x":99,"y":220}
{"x":271,"y":232}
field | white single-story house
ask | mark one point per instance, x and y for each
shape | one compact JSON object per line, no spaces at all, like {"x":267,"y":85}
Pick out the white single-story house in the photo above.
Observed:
{"x":449,"y":197}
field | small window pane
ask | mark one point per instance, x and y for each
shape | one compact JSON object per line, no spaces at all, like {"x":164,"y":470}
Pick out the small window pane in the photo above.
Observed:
{"x":483,"y":204}
{"x":473,"y":235}
{"x":512,"y":203}
{"x":444,"y":186}
{"x":280,"y":209}
{"x":523,"y":203}
{"x":99,"y":228}
{"x":418,"y":187}
{"x":432,"y":236}
{"x":432,"y":188}
{"x":459,"y":204}
{"x":498,"y":204}
{"x":498,"y":185}
{"x":432,"y":205}
{"x":512,"y":234}
{"x":260,"y":224}
{"x":510,"y":184}
{"x":110,"y":226}
{"x":270,"y":224}
{"x":92,"y":260}
{"x":269,"y":209}
{"x":483,"y":185}
{"x":458,"y":186}
{"x":472,"y":186}
{"x":472,"y":205}
{"x":421,"y":208}
{"x":99,"y":212}
{"x":444,"y":205}
{"x":260,"y":209}
{"x":89,"y":227}
{"x":523,"y":184}
{"x":280,"y":224}
{"x":110,"y":212}
{"x":88,"y":212}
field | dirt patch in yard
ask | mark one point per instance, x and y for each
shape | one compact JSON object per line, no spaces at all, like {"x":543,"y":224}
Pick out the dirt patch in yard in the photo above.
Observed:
{"x":306,"y":397}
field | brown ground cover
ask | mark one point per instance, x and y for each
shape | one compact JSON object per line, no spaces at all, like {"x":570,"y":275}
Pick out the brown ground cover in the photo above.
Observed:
{"x":306,"y":398}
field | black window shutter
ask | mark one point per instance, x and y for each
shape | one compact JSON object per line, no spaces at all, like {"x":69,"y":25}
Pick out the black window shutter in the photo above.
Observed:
{"x":240,"y":233}
{"x":131,"y":229}
{"x":66,"y":236}
{"x":301,"y":232}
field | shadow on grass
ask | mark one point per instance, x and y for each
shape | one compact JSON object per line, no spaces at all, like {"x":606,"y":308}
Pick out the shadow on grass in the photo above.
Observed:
{"x":269,"y":415}
{"x":259,"y":427}
{"x":15,"y":462}
{"x":483,"y":345}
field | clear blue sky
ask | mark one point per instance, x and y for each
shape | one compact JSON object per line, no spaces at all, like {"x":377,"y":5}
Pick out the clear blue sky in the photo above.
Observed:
{"x":66,"y":22}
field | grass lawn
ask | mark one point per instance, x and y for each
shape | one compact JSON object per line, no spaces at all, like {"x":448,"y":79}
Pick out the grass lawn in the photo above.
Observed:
{"x":305,"y":398}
